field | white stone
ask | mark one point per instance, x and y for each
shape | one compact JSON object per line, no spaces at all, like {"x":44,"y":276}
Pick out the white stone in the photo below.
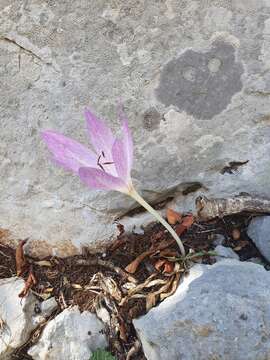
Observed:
{"x":70,"y":335}
{"x":16,"y":316}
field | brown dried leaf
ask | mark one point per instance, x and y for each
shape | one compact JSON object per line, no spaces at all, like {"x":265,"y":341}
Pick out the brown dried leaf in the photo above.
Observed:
{"x":48,"y":290}
{"x":21,"y":262}
{"x":150,"y":301}
{"x":168,"y":253}
{"x":45,"y":263}
{"x":30,"y":282}
{"x":173,"y":217}
{"x":132,"y":267}
{"x":123,"y":330}
{"x":164,"y":265}
{"x":173,"y":289}
{"x":76,"y":286}
{"x":186,"y":223}
{"x":159,"y":264}
{"x":168,"y":267}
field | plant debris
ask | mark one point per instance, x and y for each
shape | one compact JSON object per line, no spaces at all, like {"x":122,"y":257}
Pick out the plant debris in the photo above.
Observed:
{"x":135,"y":273}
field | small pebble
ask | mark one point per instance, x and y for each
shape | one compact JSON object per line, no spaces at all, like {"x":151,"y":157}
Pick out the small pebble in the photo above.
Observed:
{"x":236,"y":234}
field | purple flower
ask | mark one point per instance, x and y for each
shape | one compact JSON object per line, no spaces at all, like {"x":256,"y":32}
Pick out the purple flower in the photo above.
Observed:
{"x":108,"y":167}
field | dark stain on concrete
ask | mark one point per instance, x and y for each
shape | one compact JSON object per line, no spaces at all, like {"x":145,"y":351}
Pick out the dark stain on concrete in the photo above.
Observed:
{"x":201,"y":83}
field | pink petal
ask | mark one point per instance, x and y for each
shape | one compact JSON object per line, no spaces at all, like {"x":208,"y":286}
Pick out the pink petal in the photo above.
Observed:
{"x":101,"y":135}
{"x":68,"y":153}
{"x":120,"y":159}
{"x":127,"y":138}
{"x":100,"y":180}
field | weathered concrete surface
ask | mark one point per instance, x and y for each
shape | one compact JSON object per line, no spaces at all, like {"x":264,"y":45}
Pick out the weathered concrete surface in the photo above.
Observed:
{"x":218,"y":312}
{"x":195,"y":81}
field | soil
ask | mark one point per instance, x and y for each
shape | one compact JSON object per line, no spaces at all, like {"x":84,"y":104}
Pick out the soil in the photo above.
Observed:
{"x":67,"y":281}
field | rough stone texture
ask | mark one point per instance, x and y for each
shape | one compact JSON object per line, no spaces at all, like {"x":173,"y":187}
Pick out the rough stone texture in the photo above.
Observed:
{"x":225,"y":252}
{"x":46,"y":308}
{"x":218,"y":312}
{"x":16,"y":316}
{"x":195,"y":82}
{"x":259,"y":232}
{"x":70,"y":335}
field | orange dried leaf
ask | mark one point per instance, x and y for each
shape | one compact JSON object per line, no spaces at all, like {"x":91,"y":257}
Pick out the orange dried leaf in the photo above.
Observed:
{"x":179,"y":229}
{"x":168,"y":267}
{"x":30,"y":282}
{"x":188,"y":221}
{"x":173,"y":217}
{"x":159,"y":264}
{"x":21,"y":262}
{"x":132,"y":267}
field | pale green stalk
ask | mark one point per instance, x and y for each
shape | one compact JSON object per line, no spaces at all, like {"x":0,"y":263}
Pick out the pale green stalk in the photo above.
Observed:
{"x":133,"y":193}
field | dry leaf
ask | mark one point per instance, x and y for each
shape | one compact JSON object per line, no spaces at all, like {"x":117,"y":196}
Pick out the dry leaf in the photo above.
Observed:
{"x":132,"y":267}
{"x":164,"y":264}
{"x":159,"y":264}
{"x":76,"y":286}
{"x":30,"y":282}
{"x":48,"y":290}
{"x":173,"y":289}
{"x":186,"y":223}
{"x":173,"y":217}
{"x":134,"y":350}
{"x":150,"y":301}
{"x":122,"y":330}
{"x":168,"y":267}
{"x":21,"y":262}
{"x":168,"y":253}
{"x":43,"y":263}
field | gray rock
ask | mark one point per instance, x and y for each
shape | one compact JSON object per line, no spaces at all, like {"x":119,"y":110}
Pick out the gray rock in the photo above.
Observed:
{"x":256,"y":260}
{"x":194,"y":78}
{"x":70,"y":335}
{"x":16,"y":316}
{"x":138,"y":230}
{"x":219,"y":239}
{"x":259,"y":232}
{"x":225,"y":252}
{"x":46,"y":308}
{"x":218,"y":312}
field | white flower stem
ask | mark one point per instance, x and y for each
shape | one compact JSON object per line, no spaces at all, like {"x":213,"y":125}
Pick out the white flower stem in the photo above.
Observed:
{"x":133,"y":193}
